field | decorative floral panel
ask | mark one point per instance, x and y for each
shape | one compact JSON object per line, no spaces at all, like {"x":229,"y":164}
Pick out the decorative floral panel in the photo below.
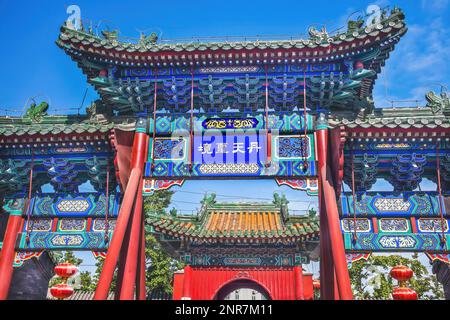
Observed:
{"x":432,"y":225}
{"x":170,"y":149}
{"x":362,"y":225}
{"x":394,"y":225}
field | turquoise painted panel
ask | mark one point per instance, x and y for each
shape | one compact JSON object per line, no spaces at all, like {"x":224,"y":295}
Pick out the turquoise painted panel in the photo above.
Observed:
{"x":385,"y":204}
{"x":76,"y":205}
{"x":284,"y":123}
{"x":64,"y":241}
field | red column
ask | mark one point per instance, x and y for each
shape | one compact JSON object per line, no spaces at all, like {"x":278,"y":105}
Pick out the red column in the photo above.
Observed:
{"x":122,"y":260}
{"x":327,"y":278}
{"x":337,"y":243}
{"x":129,"y":277}
{"x":8,"y":254}
{"x":187,"y":292}
{"x":106,"y":277}
{"x":332,"y":216}
{"x":298,"y":275}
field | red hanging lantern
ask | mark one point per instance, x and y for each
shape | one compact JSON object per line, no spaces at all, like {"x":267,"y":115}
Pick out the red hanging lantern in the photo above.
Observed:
{"x":316,"y":284}
{"x":401,"y":274}
{"x":61,"y":291}
{"x":65,"y":270}
{"x":404,"y":294}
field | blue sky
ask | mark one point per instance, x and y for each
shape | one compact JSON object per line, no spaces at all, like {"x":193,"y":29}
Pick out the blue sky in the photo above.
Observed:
{"x":33,"y":66}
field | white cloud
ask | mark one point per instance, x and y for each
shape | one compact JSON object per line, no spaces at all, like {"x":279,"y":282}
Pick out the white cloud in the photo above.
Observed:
{"x":419,"y":64}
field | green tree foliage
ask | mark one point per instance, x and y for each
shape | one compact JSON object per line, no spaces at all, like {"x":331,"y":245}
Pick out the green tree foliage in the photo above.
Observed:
{"x":371,"y":280}
{"x":161,"y":267}
{"x":280,"y":200}
{"x":67,"y":256}
{"x":158,"y":202}
{"x":86,"y":282}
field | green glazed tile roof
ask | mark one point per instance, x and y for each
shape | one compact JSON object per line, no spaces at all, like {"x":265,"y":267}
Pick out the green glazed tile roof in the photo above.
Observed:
{"x":237,"y":222}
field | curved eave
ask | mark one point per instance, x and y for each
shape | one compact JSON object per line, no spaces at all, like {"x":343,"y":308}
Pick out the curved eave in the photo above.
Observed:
{"x":339,"y":47}
{"x":398,"y":119}
{"x":193,"y":232}
{"x":11,"y":127}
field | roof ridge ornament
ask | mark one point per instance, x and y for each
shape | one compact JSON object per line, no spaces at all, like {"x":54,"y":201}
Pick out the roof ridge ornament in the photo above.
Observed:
{"x":152,"y":39}
{"x":317,"y":35}
{"x":438,"y":103}
{"x":37,"y":112}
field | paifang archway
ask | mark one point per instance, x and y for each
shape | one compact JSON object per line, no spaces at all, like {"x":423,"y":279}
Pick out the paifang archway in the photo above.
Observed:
{"x":298,"y":111}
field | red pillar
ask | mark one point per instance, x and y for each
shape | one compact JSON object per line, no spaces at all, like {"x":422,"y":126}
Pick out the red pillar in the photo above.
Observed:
{"x":106,"y":277}
{"x":327,"y":277}
{"x":187,"y":283}
{"x":122,"y":260}
{"x":332,"y":216}
{"x":337,"y":243}
{"x":129,"y":279}
{"x":130,"y":272}
{"x":298,"y":275}
{"x":8,"y":254}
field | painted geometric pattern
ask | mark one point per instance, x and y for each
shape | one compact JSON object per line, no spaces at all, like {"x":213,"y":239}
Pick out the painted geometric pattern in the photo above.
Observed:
{"x":221,"y":169}
{"x":83,"y":205}
{"x":432,"y":225}
{"x":354,"y":257}
{"x":169,"y":149}
{"x":99,"y":225}
{"x":38,"y":225}
{"x":392,"y":204}
{"x":152,"y":185}
{"x":73,"y":206}
{"x":362,"y":225}
{"x":284,"y":123}
{"x":277,"y":169}
{"x":64,"y":241}
{"x":245,"y":260}
{"x":21,"y":257}
{"x":387,"y":204}
{"x":72,"y":225}
{"x":293,"y":147}
{"x":441,"y":257}
{"x":310,"y":185}
{"x":394,"y":225}
{"x":395,"y":242}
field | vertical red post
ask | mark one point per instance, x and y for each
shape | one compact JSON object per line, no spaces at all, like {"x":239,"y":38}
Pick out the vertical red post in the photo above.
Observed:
{"x":298,"y":276}
{"x":327,"y":277}
{"x":8,"y":254}
{"x":328,"y":199}
{"x":121,"y":267}
{"x":106,"y":277}
{"x":129,"y":277}
{"x":187,"y":292}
